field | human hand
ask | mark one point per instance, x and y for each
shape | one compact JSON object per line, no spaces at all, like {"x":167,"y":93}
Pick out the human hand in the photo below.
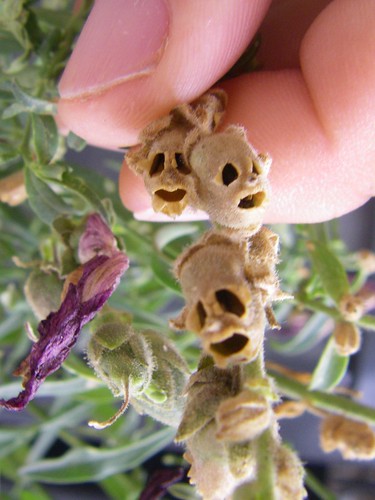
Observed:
{"x":312,"y":107}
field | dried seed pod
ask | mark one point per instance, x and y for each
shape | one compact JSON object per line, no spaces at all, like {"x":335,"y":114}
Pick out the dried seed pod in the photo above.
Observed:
{"x":206,"y":389}
{"x":12,"y":189}
{"x":217,"y":468}
{"x":141,"y":365}
{"x":290,"y":409}
{"x":243,"y":417}
{"x":229,"y":285}
{"x":289,"y":475}
{"x":232,"y":184}
{"x":347,"y":338}
{"x":161,"y":159}
{"x":355,"y":440}
{"x":351,"y":307}
{"x":43,"y":292}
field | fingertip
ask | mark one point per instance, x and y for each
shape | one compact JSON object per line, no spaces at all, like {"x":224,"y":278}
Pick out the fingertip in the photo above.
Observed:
{"x":204,"y":40}
{"x":132,"y":191}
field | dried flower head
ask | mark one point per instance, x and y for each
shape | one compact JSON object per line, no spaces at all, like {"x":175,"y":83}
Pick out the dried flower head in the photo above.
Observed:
{"x":84,"y":297}
{"x":355,"y":440}
{"x":347,"y":338}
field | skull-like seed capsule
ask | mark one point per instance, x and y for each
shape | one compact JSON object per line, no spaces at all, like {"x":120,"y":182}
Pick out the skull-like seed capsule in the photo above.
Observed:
{"x":161,"y":159}
{"x":232,"y":184}
{"x":222,"y":306}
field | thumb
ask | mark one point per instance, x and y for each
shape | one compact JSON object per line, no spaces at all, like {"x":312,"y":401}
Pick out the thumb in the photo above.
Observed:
{"x":136,"y":60}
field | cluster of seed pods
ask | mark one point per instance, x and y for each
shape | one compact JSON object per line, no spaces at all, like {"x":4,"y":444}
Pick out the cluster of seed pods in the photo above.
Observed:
{"x":228,"y":277}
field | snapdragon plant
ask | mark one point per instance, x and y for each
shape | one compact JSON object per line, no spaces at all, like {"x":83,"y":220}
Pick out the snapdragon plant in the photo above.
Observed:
{"x":131,"y":335}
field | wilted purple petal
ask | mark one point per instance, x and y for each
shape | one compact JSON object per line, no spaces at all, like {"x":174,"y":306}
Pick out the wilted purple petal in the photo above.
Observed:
{"x":97,"y":239}
{"x":159,"y":482}
{"x":60,"y":330}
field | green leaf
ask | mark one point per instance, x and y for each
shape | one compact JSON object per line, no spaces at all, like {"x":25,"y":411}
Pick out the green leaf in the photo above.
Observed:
{"x":183,"y":491}
{"x":367,"y":322}
{"x":11,"y":439}
{"x":116,"y":485}
{"x":93,"y":464}
{"x":171,"y":232}
{"x":78,"y":185}
{"x":45,"y":137}
{"x":330,"y":369}
{"x":75,"y":142}
{"x":39,"y":494}
{"x":43,"y":200}
{"x":305,"y":339}
{"x":163,"y":273}
{"x":331,"y":271}
{"x":26,"y":103}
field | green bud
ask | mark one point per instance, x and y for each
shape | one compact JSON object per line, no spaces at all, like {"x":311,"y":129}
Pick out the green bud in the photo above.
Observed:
{"x":163,"y":398}
{"x":121,"y":357}
{"x":43,"y":292}
{"x":141,"y":365}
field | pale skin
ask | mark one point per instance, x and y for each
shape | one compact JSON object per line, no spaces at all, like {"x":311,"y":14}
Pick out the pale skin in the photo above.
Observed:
{"x":311,"y":107}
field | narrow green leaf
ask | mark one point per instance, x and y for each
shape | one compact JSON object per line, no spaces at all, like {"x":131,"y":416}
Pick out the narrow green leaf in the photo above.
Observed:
{"x":305,"y":339}
{"x":45,"y":137}
{"x":92,"y":464}
{"x":26,"y":103}
{"x":67,"y":387}
{"x":171,"y":232}
{"x":317,"y":487}
{"x":367,"y":322}
{"x":40,"y":494}
{"x":331,"y":271}
{"x":330,"y":369}
{"x":43,"y":200}
{"x":75,"y":142}
{"x":78,"y":185}
{"x":163,"y":273}
{"x":11,"y":439}
{"x":183,"y":491}
{"x":116,"y":485}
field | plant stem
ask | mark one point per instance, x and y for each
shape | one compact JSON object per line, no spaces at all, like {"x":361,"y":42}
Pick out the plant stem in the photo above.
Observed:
{"x":324,"y":401}
{"x":265,"y":483}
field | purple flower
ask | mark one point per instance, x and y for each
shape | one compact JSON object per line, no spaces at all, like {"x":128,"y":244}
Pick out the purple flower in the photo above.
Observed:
{"x":58,"y":333}
{"x":159,"y":482}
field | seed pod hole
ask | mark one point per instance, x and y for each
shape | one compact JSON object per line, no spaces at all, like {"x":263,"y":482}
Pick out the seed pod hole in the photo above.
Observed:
{"x":230,"y":346}
{"x":157,"y":165}
{"x":230,"y":302}
{"x":182,"y":166}
{"x":201,"y":313}
{"x":171,"y":196}
{"x":229,"y":174}
{"x":252,"y":200}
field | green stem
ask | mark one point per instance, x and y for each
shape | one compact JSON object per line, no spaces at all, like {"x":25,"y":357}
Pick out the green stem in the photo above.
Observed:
{"x":317,"y":487}
{"x":265,"y":482}
{"x":367,"y":322}
{"x":329,"y":402}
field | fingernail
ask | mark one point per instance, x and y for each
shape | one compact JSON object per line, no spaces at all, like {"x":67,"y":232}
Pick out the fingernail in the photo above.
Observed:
{"x":121,"y":39}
